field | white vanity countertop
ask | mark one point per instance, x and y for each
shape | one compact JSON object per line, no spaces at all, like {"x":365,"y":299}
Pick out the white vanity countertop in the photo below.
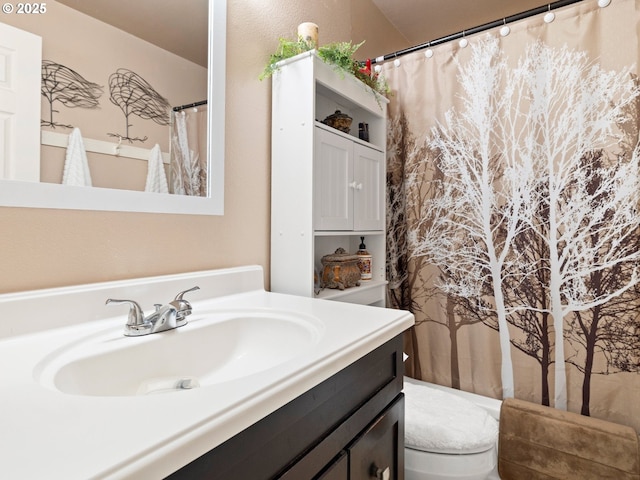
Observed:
{"x":54,"y":435}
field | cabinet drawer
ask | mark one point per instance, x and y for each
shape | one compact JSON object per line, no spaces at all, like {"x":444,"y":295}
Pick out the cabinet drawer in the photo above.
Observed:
{"x":379,"y":451}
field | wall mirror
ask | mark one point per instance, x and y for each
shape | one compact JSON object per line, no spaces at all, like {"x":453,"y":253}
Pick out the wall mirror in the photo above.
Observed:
{"x":18,"y":193}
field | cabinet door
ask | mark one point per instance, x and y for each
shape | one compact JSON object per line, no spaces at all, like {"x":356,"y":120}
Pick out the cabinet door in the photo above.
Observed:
{"x":332,"y":182}
{"x":369,"y":182}
{"x":338,"y":470}
{"x":379,"y":451}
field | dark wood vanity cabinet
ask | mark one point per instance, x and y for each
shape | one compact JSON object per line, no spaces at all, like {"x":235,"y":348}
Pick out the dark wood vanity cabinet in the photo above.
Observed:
{"x":351,"y":426}
{"x":374,"y":454}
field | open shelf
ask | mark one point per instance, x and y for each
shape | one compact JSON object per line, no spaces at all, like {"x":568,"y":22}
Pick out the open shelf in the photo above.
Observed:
{"x":312,"y":165}
{"x":367,"y":293}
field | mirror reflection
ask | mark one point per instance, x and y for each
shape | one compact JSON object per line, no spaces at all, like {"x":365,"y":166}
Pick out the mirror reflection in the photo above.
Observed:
{"x":115,"y":110}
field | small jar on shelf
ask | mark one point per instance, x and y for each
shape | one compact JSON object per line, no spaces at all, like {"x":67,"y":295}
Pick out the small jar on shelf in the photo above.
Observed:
{"x":364,"y":261}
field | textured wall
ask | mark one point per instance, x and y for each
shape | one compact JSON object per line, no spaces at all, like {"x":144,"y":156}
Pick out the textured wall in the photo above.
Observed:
{"x":48,"y":248}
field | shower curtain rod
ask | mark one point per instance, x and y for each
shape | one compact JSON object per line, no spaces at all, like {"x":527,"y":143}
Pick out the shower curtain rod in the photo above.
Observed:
{"x":189,"y":105}
{"x":478,"y":29}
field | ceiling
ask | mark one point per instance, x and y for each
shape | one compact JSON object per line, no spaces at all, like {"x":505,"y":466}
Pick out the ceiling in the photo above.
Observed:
{"x":178,"y":26}
{"x":181,"y":26}
{"x":421,"y":21}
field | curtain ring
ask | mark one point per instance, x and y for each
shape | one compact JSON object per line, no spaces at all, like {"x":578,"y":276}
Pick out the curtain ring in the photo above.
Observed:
{"x":428,"y":53}
{"x":463,"y":42}
{"x":549,"y":16}
{"x":505,"y":30}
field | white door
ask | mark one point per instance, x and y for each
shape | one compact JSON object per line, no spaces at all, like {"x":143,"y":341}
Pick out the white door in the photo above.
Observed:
{"x":368,"y":200}
{"x":332,"y":182}
{"x":20,"y":79}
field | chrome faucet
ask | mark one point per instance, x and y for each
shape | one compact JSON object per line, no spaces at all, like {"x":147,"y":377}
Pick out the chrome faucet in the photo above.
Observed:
{"x":165,"y":317}
{"x":182,"y":306}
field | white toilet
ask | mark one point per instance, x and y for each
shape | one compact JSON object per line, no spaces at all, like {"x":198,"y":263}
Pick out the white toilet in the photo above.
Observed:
{"x":447,"y":437}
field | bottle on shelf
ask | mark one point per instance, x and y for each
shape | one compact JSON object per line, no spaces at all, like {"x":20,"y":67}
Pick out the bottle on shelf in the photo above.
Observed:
{"x":364,"y":261}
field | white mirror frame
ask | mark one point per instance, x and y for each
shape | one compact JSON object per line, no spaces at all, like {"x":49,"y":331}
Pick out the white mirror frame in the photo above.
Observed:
{"x":49,"y":195}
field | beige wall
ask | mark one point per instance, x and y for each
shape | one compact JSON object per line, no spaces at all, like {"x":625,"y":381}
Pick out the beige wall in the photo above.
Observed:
{"x":47,"y":248}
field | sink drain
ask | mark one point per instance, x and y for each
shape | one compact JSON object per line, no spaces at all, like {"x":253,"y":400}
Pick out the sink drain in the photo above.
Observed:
{"x":165,"y":385}
{"x":187,"y":384}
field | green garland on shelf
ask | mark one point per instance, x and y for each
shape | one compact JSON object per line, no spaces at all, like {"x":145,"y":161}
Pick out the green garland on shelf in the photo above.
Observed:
{"x":338,"y":54}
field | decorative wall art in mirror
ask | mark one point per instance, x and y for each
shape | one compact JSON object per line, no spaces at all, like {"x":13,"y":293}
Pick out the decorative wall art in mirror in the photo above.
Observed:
{"x":118,"y":107}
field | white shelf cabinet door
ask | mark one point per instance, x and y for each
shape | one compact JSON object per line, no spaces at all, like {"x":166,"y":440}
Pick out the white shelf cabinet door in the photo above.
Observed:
{"x":333,"y":182}
{"x":369,"y":182}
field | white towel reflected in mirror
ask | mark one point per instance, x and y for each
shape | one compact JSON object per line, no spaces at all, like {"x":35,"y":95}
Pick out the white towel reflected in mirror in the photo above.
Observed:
{"x":156,"y":176}
{"x":76,"y":168}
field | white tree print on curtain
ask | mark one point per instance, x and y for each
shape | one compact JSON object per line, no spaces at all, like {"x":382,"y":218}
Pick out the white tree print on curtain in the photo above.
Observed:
{"x":575,"y":107}
{"x":517,"y":164}
{"x":484,"y":200}
{"x":607,"y":330}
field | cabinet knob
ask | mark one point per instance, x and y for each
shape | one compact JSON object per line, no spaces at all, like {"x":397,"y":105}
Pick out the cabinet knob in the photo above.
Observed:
{"x":379,"y":473}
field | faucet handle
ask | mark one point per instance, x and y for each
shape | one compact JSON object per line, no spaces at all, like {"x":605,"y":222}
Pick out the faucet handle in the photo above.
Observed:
{"x":136,"y":323}
{"x":136,"y":316}
{"x":192,"y":289}
{"x":183,"y":306}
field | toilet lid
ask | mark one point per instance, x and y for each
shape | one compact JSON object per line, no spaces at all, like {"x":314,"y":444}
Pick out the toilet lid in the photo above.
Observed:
{"x":440,"y":422}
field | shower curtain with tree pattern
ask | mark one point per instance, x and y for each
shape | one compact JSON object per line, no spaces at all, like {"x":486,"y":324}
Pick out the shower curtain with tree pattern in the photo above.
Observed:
{"x":513,"y":210}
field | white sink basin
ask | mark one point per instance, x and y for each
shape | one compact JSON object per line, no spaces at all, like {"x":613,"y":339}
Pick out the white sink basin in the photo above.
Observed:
{"x":69,"y":372}
{"x":212,"y":348}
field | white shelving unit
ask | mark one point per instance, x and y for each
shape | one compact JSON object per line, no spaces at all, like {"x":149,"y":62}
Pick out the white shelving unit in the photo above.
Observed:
{"x":327,"y":186}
